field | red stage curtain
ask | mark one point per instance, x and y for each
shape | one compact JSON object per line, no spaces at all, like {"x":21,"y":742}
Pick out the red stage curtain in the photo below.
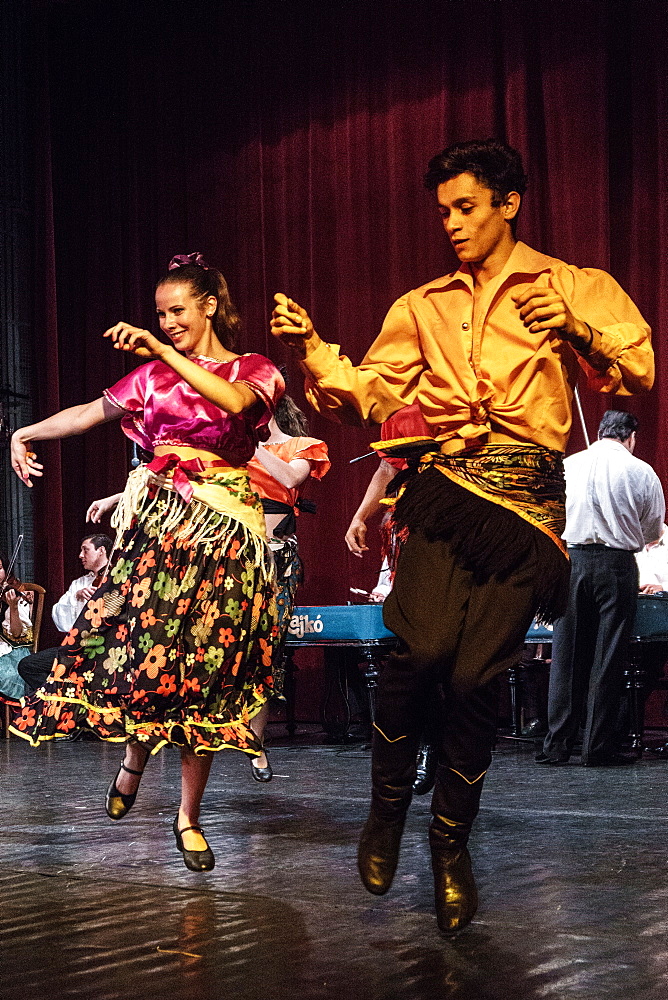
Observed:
{"x":287,"y":143}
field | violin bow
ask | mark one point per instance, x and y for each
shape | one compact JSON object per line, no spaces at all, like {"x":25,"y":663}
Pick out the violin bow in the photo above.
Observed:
{"x":17,"y":548}
{"x":582,"y":419}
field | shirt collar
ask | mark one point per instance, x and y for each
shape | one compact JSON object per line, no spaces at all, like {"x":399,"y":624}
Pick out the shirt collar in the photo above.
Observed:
{"x":610,"y":443}
{"x":522,"y":260}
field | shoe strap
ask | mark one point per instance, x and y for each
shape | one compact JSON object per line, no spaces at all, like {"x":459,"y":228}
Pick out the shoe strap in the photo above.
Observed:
{"x":186,"y":828}
{"x":129,"y":770}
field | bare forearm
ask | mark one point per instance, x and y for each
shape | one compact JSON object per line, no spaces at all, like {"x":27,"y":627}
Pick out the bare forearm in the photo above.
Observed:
{"x":15,"y":623}
{"x":229,"y":396}
{"x":288,"y":474}
{"x":375,"y":491}
{"x":68,"y":423}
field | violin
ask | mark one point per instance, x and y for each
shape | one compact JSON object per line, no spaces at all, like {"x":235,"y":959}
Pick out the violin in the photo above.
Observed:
{"x":11,"y":582}
{"x":15,"y":585}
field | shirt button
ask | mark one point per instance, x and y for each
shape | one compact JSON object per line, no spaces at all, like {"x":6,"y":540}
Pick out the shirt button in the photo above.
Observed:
{"x":465,"y":326}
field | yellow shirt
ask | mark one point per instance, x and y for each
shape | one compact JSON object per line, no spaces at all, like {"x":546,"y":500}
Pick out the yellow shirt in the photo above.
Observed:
{"x":486,"y":376}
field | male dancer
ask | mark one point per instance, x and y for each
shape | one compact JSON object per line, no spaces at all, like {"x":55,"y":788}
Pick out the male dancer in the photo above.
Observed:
{"x":491,"y":353}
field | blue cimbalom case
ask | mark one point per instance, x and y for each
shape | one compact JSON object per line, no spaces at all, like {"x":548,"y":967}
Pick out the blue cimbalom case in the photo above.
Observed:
{"x":338,"y":623}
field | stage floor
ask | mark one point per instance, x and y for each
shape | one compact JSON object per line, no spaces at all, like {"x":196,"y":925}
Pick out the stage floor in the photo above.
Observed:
{"x":572,"y":866}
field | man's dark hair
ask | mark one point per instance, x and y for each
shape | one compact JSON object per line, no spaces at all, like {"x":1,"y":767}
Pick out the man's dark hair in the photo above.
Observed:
{"x":492,"y":163}
{"x":100,"y":542}
{"x":617,"y":424}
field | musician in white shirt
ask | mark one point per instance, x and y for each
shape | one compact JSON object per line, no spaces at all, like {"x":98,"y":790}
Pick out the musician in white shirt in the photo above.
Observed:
{"x":94,"y":556}
{"x":614,"y":507}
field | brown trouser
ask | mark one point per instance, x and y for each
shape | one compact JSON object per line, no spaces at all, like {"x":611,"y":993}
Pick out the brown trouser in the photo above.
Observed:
{"x":456,"y":632}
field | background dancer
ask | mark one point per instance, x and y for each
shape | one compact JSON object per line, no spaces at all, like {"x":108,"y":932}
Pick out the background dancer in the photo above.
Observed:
{"x":280,"y":466}
{"x":175,"y":646}
{"x":491,"y":353}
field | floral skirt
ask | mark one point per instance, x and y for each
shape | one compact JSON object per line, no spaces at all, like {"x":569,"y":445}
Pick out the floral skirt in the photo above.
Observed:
{"x":289,"y":573}
{"x":176,"y":645}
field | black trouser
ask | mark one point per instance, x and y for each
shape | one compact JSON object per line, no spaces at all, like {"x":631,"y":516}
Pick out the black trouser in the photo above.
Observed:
{"x":588,"y":651}
{"x":456,"y":632}
{"x":35,"y":669}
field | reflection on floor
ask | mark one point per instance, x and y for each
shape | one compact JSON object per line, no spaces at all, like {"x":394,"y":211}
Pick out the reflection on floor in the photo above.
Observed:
{"x":571,"y":864}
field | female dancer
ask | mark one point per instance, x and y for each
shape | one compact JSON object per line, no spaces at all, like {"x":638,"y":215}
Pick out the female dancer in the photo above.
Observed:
{"x":281,"y":464}
{"x":15,"y":635}
{"x":176,"y":645}
{"x":278,"y":469}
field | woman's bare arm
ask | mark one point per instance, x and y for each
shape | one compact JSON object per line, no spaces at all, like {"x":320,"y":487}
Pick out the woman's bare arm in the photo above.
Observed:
{"x":233,"y":397}
{"x":99,"y":508}
{"x":66,"y":423}
{"x":289,"y":474}
{"x":370,"y":505}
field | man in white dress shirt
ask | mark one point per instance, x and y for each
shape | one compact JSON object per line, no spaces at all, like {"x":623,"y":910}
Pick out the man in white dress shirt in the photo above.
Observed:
{"x":94,"y":556}
{"x":614,"y":507}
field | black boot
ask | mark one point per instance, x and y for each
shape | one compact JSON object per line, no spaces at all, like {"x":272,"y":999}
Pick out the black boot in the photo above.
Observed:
{"x":425,"y":774}
{"x":392,"y":773}
{"x":454,"y":807}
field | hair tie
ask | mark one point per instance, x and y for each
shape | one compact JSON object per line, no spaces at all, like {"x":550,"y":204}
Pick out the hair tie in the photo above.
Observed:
{"x":183,"y":259}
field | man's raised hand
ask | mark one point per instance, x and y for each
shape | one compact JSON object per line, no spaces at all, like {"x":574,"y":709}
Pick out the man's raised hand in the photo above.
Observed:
{"x":542,"y":307}
{"x":292,"y":324}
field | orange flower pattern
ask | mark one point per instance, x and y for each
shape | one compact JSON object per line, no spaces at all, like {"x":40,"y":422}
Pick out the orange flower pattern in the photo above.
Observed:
{"x":186,"y":654}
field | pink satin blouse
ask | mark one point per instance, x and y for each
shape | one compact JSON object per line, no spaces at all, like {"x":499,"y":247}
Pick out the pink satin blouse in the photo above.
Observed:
{"x":162,"y":409}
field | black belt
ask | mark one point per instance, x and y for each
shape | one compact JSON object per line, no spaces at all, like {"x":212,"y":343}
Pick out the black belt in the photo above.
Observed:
{"x":597,"y":547}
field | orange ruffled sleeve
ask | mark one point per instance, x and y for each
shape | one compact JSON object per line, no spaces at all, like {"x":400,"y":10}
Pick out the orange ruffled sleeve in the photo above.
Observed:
{"x":314,"y":451}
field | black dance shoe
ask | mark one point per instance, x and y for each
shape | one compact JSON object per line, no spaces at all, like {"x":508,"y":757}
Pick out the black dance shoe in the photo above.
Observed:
{"x":542,"y":758}
{"x":262,"y":773}
{"x":196,"y":861}
{"x":425,"y":774}
{"x":116,"y":803}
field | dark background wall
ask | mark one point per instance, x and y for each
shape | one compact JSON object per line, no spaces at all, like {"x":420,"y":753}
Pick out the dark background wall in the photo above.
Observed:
{"x":287,"y":142}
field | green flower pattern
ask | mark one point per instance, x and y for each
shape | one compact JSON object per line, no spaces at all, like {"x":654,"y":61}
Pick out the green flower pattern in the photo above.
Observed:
{"x":119,"y":676}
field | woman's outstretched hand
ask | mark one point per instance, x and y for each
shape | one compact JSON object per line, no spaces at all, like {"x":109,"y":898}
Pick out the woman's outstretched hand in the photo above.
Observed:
{"x":293,"y":325}
{"x":99,"y":508}
{"x":24,"y":461}
{"x":132,"y":338}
